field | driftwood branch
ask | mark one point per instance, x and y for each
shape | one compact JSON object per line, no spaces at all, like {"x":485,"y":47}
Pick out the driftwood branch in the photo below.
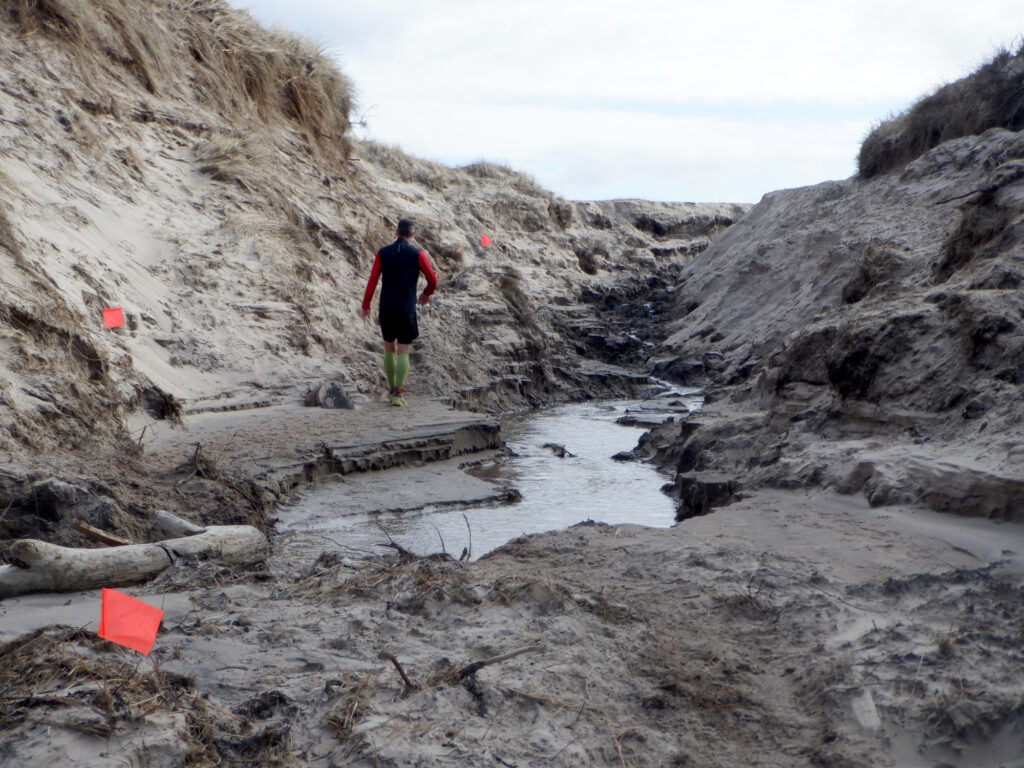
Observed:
{"x":98,"y":534}
{"x":42,"y":567}
{"x":409,"y":684}
{"x":945,"y":200}
{"x":476,"y":666}
{"x":468,"y":551}
{"x":404,"y":554}
{"x":439,"y":536}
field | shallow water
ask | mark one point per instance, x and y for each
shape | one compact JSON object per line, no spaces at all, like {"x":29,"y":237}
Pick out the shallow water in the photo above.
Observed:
{"x":556,"y":492}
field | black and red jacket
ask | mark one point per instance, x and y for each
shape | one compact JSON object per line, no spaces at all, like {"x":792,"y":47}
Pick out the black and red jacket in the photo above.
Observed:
{"x":400,"y":265}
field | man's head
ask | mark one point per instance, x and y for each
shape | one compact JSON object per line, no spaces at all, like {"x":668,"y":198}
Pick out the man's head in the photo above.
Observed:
{"x":406,"y":228}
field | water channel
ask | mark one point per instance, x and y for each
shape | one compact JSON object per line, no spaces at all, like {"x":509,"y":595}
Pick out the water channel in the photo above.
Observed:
{"x":414,"y":505}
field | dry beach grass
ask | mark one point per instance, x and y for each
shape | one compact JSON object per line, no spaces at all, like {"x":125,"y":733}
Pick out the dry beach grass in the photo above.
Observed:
{"x":991,"y":97}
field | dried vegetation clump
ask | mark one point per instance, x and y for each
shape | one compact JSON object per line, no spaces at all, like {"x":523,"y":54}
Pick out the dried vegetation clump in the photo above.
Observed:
{"x":521,"y":182}
{"x":92,"y":681}
{"x":415,"y":170}
{"x":410,"y":584}
{"x":70,"y":679}
{"x":992,"y":97}
{"x":438,"y":178}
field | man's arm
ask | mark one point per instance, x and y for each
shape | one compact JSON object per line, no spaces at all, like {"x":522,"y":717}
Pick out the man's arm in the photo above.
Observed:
{"x":428,"y":273}
{"x":371,"y":286}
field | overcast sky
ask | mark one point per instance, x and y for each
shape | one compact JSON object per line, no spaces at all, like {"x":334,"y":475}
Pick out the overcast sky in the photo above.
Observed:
{"x":658,"y":99}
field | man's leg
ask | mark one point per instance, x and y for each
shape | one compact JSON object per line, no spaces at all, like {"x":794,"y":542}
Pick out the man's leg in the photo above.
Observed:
{"x":401,"y":364}
{"x":403,"y":326}
{"x":393,"y":355}
{"x":390,"y":363}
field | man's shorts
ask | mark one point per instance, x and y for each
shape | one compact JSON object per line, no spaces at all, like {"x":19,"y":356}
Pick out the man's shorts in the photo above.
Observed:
{"x":398,"y":326}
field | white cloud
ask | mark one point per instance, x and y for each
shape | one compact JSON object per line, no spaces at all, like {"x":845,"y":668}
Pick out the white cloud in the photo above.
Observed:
{"x":587,"y":95}
{"x":600,"y":153}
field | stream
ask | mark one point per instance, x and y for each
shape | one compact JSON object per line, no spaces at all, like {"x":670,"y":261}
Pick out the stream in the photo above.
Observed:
{"x":439,"y":507}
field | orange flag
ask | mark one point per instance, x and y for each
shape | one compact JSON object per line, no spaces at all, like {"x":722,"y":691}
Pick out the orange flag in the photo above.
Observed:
{"x":127,"y":621}
{"x":113,"y":317}
{"x":485,"y":240}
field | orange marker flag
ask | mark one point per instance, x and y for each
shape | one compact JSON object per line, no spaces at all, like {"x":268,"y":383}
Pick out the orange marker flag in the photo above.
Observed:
{"x":485,"y":240}
{"x":127,"y":621}
{"x":113,"y":317}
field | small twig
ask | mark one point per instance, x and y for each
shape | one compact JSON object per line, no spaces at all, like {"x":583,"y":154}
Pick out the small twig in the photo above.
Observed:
{"x":965,"y":194}
{"x":443,"y":550}
{"x":577,"y":738}
{"x":476,"y":666}
{"x":396,"y":732}
{"x":493,"y":721}
{"x":97,"y":534}
{"x":403,"y":553}
{"x":618,"y":746}
{"x":469,"y":549}
{"x":229,"y":443}
{"x":224,"y":712}
{"x":754,"y":603}
{"x":346,"y":546}
{"x":195,"y":469}
{"x":8,"y":509}
{"x":385,"y":532}
{"x":409,"y":684}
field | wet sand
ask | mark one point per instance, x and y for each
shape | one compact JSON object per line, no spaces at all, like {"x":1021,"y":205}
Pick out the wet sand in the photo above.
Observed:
{"x":790,"y":628}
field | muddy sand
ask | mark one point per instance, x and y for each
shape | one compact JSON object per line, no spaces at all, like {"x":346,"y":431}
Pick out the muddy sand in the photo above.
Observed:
{"x":790,"y":628}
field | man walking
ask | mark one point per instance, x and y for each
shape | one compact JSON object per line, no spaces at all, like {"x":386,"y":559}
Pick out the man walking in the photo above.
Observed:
{"x":399,"y":266}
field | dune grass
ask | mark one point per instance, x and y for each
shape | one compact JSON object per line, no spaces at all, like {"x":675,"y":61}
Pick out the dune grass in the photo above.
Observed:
{"x":991,"y":97}
{"x":406,"y":167}
{"x":231,"y":64}
{"x":483,"y":169}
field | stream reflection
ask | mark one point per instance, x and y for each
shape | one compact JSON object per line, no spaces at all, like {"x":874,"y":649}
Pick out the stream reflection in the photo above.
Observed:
{"x":557,"y":492}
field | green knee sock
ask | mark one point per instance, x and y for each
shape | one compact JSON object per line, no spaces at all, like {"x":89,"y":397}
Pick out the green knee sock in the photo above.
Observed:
{"x":390,"y":368}
{"x":401,"y":369}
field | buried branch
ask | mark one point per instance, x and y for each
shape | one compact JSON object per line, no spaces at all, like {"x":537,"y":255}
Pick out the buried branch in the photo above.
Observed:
{"x":476,"y":666}
{"x":467,"y":552}
{"x":456,"y":674}
{"x":409,"y":684}
{"x":405,"y":556}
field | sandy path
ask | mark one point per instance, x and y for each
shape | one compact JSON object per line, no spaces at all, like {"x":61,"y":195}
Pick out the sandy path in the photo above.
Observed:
{"x":271,"y":441}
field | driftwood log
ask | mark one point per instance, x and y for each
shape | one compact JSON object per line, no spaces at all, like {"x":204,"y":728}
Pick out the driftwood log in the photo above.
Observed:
{"x":41,"y":567}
